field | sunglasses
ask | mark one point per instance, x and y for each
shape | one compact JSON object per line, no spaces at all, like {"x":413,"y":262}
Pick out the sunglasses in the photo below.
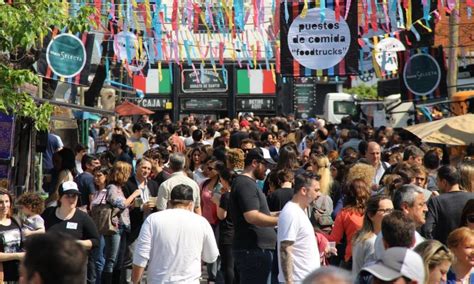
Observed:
{"x":210,"y":168}
{"x":385,"y":211}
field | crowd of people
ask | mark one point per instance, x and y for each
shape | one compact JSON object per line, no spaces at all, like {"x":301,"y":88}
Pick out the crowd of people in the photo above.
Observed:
{"x":272,"y":200}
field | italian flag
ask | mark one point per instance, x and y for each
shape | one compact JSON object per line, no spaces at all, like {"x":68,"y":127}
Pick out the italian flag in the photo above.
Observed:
{"x":152,"y":83}
{"x":255,"y":82}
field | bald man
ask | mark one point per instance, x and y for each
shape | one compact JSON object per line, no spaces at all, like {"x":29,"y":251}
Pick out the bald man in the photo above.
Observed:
{"x":373,"y":155}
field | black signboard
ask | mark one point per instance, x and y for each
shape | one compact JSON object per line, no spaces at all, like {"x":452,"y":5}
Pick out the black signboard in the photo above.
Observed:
{"x":208,"y":82}
{"x":154,"y":102}
{"x":256,"y":104}
{"x":304,"y":96}
{"x":204,"y":104}
{"x":6,"y":135}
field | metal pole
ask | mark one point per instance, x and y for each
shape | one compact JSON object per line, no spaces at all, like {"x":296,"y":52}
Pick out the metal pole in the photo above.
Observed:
{"x":39,"y":183}
{"x":453,"y":50}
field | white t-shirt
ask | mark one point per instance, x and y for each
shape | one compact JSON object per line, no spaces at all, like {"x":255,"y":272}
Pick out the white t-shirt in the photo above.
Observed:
{"x":173,"y":242}
{"x":294,"y":225}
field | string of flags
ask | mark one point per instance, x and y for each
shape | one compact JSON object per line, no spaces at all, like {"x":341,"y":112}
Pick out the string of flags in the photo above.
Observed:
{"x":265,"y":34}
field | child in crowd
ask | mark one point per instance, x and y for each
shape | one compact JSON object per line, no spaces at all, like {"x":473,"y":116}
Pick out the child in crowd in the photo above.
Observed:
{"x":31,"y":205}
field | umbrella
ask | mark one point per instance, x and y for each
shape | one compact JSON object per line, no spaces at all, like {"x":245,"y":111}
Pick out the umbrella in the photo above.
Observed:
{"x":127,"y":108}
{"x":454,"y":131}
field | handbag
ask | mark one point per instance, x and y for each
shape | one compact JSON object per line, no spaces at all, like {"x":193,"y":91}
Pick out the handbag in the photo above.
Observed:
{"x":102,"y":215}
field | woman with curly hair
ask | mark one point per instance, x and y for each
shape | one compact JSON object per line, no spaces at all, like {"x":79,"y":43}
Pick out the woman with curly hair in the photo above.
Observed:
{"x":235,"y":159}
{"x":350,"y":219}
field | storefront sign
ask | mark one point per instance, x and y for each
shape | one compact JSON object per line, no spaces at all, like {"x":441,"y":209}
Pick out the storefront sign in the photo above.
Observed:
{"x":203,"y":104}
{"x":422,"y":74}
{"x":318,"y":44}
{"x":260,"y":104}
{"x":66,"y":55}
{"x":154,"y":103}
{"x":207,"y":82}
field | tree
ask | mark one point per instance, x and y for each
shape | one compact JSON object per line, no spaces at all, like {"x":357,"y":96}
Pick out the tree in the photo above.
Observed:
{"x":363,"y":92}
{"x":23,"y":27}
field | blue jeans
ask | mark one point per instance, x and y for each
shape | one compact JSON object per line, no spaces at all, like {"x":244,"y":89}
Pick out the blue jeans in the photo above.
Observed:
{"x":114,"y":251}
{"x":98,"y":258}
{"x":254,"y":265}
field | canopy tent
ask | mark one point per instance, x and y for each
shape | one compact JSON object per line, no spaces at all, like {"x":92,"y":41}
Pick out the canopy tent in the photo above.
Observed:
{"x":127,"y":108}
{"x":454,"y":131}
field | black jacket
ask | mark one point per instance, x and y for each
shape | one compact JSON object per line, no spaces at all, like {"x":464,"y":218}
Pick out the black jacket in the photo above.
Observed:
{"x":136,"y":215}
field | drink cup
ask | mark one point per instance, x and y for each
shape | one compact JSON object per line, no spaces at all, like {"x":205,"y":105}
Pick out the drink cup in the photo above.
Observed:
{"x":152,"y":201}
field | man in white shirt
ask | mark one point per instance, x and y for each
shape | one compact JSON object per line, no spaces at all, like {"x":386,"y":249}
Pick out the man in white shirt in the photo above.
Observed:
{"x":176,"y":164}
{"x":373,"y":155}
{"x":297,"y":246}
{"x":173,"y":242}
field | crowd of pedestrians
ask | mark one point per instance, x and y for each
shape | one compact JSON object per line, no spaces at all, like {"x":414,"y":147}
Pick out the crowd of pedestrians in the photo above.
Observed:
{"x":272,"y":200}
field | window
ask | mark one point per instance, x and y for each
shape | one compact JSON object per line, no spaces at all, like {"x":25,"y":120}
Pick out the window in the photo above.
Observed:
{"x":344,"y":107}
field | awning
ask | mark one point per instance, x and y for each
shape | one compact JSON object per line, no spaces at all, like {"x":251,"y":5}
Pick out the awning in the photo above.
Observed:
{"x":74,"y":106}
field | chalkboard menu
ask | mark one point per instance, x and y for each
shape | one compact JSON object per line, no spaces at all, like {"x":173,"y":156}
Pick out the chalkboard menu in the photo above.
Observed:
{"x":203,"y":104}
{"x":256,"y":104}
{"x":203,"y":81}
{"x":6,"y":135}
{"x":304,"y":96}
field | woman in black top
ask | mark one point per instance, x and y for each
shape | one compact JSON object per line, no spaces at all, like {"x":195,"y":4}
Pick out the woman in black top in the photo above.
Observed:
{"x":68,"y":219}
{"x":226,"y":228}
{"x":10,"y":239}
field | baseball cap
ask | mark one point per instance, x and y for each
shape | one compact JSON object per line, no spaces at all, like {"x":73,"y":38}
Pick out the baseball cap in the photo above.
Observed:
{"x":68,"y":187}
{"x":260,"y":154}
{"x":397,"y":262}
{"x":244,"y":123}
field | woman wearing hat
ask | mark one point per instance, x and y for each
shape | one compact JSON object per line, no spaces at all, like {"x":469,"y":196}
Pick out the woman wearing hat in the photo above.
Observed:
{"x":66,"y":218}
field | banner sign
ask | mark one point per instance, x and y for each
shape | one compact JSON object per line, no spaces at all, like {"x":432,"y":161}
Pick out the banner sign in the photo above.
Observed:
{"x":6,"y":135}
{"x":421,"y":74}
{"x":318,"y":42}
{"x":386,"y":53}
{"x":66,"y":57}
{"x":203,"y":81}
{"x":424,"y":74}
